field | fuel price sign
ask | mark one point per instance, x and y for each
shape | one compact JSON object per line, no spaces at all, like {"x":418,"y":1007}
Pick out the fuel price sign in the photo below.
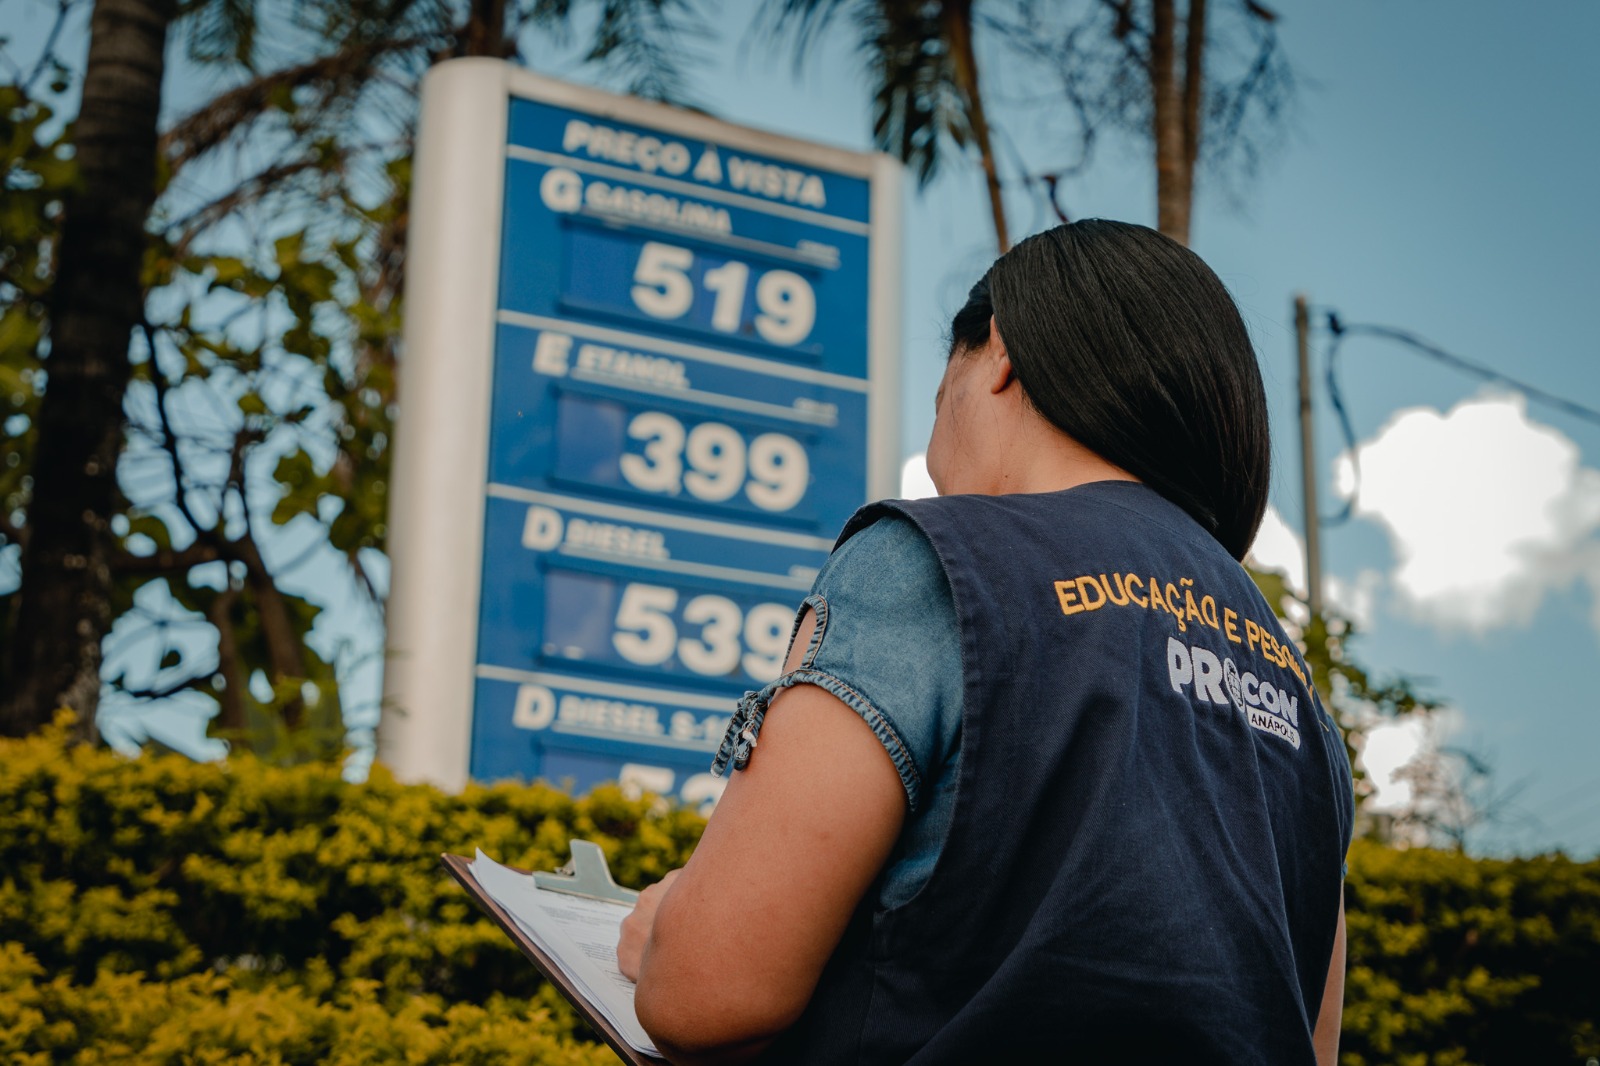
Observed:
{"x":650,"y":369}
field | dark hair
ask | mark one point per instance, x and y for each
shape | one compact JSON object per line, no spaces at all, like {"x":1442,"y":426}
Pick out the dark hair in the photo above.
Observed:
{"x":1127,"y":342}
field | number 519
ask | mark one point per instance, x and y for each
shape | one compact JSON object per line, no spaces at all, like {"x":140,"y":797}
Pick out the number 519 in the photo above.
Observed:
{"x":785,"y":303}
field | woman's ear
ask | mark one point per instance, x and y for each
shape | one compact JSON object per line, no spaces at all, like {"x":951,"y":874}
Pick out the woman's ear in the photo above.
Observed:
{"x":998,"y":370}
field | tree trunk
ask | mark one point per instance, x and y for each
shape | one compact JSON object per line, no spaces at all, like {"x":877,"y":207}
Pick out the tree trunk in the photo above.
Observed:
{"x":284,"y":651}
{"x":230,"y":721}
{"x":64,"y":598}
{"x":957,"y":16}
{"x":1172,"y":201}
{"x":1194,"y":57}
{"x":485,"y":31}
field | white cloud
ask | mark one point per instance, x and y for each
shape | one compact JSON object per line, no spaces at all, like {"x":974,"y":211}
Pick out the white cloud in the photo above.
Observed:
{"x":1278,"y":547}
{"x":1356,"y":599}
{"x":1400,"y":752}
{"x":915,"y":484}
{"x":1486,"y":511}
{"x":1386,"y":750}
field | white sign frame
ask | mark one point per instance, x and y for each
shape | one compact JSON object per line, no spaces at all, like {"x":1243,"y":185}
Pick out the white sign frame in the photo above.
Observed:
{"x":441,"y":449}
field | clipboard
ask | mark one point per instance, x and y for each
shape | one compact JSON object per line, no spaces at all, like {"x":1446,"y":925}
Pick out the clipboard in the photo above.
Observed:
{"x":580,"y":877}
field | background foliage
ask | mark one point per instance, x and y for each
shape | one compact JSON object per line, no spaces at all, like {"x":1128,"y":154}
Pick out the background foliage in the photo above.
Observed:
{"x":162,"y":911}
{"x":252,"y":460}
{"x":253,"y":447}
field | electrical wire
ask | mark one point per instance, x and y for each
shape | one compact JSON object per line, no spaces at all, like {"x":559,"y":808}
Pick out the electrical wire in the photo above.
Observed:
{"x":1341,"y":331}
{"x":1336,"y":398}
{"x":1488,"y":373}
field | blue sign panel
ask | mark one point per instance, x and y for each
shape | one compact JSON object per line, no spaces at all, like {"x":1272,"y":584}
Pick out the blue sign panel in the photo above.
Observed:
{"x":678,"y":428}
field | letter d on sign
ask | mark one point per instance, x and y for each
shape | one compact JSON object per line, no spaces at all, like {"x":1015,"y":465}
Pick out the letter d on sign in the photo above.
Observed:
{"x":541,"y":530}
{"x":1180,"y":670}
{"x":535,"y":709}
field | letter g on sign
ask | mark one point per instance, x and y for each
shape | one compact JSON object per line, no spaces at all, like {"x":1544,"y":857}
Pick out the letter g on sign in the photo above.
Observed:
{"x":561,"y":190}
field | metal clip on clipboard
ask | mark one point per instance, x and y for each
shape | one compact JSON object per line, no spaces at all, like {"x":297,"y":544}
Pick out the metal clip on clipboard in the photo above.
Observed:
{"x":586,"y":874}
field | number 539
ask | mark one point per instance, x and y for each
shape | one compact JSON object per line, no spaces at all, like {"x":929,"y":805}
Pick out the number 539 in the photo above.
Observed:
{"x":719,"y":638}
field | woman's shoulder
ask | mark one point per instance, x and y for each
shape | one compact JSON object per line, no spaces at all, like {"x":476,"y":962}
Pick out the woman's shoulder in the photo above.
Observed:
{"x":885,"y":534}
{"x":888,"y":630}
{"x":1110,"y":512}
{"x":890,"y":551}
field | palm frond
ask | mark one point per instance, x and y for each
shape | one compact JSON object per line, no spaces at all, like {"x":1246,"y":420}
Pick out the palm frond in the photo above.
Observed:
{"x":918,"y":109}
{"x":221,"y":31}
{"x":642,"y":43}
{"x":805,"y":21}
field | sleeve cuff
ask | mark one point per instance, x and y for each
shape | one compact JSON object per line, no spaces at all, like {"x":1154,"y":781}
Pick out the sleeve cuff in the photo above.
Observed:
{"x":744,"y":729}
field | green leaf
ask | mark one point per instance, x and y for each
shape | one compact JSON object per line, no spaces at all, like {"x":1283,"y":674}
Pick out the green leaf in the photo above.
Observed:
{"x":149,"y":525}
{"x":227,"y":270}
{"x":288,"y":249}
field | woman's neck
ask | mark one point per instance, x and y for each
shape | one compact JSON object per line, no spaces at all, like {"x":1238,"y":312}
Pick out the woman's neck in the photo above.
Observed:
{"x":1041,"y":458}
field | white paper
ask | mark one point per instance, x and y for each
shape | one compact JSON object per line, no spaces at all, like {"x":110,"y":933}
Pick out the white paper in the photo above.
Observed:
{"x":579,"y":934}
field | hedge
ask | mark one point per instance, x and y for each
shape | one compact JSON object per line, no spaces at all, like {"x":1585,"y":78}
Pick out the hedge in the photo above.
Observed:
{"x":156,"y":910}
{"x":1456,"y":960}
{"x":164,"y":911}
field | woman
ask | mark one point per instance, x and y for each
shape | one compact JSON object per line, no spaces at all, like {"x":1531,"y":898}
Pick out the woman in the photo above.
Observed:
{"x":1043,"y":778}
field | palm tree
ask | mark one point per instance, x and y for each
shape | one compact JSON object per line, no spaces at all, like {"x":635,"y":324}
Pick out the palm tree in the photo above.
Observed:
{"x":1175,"y":93}
{"x":925,"y":85}
{"x":358,"y":71}
{"x":1185,"y":77}
{"x":64,"y":602}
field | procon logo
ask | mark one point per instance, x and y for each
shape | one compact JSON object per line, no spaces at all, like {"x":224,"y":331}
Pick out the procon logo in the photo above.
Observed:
{"x":1216,"y":680}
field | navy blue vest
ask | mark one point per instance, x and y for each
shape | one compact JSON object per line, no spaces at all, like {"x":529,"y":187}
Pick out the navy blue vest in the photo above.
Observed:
{"x":1144,"y":864}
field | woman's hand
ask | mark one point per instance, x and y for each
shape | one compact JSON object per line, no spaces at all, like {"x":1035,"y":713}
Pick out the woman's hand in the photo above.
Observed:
{"x":636,"y":927}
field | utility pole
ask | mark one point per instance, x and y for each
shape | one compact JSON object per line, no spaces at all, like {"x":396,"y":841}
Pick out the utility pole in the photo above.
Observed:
{"x":1308,"y":458}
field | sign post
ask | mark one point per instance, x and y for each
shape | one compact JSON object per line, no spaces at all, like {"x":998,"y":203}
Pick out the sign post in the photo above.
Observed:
{"x":651,"y":366}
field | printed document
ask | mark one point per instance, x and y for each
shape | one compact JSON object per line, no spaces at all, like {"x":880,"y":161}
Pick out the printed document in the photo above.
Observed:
{"x":579,"y":934}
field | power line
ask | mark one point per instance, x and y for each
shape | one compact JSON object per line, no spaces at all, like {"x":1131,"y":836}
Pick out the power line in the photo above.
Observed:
{"x":1589,"y":788}
{"x":1341,"y":331}
{"x":1488,"y":373}
{"x":1575,"y":815}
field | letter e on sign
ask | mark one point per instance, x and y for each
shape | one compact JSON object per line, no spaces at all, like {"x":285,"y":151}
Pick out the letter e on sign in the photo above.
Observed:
{"x":550,"y":353}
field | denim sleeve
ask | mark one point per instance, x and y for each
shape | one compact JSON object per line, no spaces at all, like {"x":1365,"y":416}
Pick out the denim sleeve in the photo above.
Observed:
{"x":887,"y":644}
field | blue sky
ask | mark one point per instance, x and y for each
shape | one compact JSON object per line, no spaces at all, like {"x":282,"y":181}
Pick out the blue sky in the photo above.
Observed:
{"x":1437,"y":177}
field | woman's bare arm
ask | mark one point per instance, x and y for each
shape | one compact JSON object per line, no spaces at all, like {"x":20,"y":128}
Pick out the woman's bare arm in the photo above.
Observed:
{"x":734,"y":948}
{"x":1326,"y":1036}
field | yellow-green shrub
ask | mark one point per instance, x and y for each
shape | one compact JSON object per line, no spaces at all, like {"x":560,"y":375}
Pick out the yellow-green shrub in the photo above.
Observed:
{"x":208,"y":1018}
{"x":1456,"y":960}
{"x":135,"y":891}
{"x":156,"y":910}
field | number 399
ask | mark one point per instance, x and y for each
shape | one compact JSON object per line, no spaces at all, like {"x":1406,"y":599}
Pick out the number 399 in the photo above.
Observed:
{"x":717,"y":461}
